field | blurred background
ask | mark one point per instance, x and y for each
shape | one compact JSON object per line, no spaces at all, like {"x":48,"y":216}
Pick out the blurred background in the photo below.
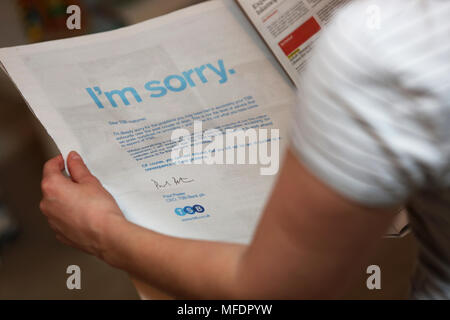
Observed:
{"x":32,"y":263}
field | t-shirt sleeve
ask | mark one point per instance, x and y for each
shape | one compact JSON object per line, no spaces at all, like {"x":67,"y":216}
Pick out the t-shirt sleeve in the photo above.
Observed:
{"x":358,"y":128}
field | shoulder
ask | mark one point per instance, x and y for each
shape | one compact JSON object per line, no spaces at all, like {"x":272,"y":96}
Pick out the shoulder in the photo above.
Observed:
{"x":370,"y":121}
{"x":386,"y":27}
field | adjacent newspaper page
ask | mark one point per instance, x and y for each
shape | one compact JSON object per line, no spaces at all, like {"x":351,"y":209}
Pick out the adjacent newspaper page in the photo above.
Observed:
{"x":290,"y":27}
{"x":117,"y":97}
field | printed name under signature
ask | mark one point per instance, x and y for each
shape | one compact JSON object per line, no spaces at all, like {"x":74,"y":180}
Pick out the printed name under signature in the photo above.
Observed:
{"x":174,"y":181}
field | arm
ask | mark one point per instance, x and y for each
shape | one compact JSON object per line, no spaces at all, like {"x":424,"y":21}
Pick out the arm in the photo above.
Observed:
{"x":309,"y":242}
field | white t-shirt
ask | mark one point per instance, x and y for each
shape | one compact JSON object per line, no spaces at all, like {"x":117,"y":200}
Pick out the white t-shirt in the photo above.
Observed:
{"x":373,"y":120}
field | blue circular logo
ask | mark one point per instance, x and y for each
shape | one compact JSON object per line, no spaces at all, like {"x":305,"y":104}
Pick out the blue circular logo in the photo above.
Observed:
{"x":189,"y":210}
{"x":180,"y":212}
{"x":198,"y":208}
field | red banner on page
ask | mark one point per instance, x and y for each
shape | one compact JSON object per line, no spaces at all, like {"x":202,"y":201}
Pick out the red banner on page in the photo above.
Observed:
{"x":299,"y":36}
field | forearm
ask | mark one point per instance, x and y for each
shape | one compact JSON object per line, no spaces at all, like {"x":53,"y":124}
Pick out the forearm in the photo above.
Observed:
{"x":180,"y":267}
{"x":307,"y":246}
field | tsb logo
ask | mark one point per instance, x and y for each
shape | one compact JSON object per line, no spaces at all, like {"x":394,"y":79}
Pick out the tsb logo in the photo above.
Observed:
{"x":189,"y":210}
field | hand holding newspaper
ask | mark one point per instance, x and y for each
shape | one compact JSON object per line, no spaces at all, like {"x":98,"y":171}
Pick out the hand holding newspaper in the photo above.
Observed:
{"x":118,"y":97}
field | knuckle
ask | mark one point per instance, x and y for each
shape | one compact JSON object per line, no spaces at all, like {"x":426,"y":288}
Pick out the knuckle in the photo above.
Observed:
{"x":89,"y":179}
{"x":48,"y":164}
{"x":48,"y":185}
{"x":44,"y":183}
{"x":44,"y":208}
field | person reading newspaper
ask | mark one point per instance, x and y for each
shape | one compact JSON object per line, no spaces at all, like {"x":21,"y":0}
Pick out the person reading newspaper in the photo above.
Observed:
{"x":370,"y":133}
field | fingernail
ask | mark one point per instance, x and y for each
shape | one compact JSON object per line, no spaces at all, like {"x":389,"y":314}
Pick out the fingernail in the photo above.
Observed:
{"x":74,"y":155}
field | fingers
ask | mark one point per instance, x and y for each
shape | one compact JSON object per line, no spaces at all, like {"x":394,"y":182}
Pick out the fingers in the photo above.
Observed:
{"x":78,"y":170}
{"x":53,"y":167}
{"x":52,"y":177}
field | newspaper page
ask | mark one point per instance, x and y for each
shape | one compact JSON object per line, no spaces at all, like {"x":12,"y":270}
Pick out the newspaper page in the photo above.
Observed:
{"x":117,"y":97}
{"x":290,"y":27}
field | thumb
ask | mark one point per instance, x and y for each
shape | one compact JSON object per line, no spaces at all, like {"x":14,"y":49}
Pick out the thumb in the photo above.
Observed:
{"x":77,"y":169}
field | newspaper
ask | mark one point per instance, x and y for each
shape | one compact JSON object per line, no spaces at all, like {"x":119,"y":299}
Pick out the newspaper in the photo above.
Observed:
{"x":117,"y":97}
{"x":290,"y":27}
